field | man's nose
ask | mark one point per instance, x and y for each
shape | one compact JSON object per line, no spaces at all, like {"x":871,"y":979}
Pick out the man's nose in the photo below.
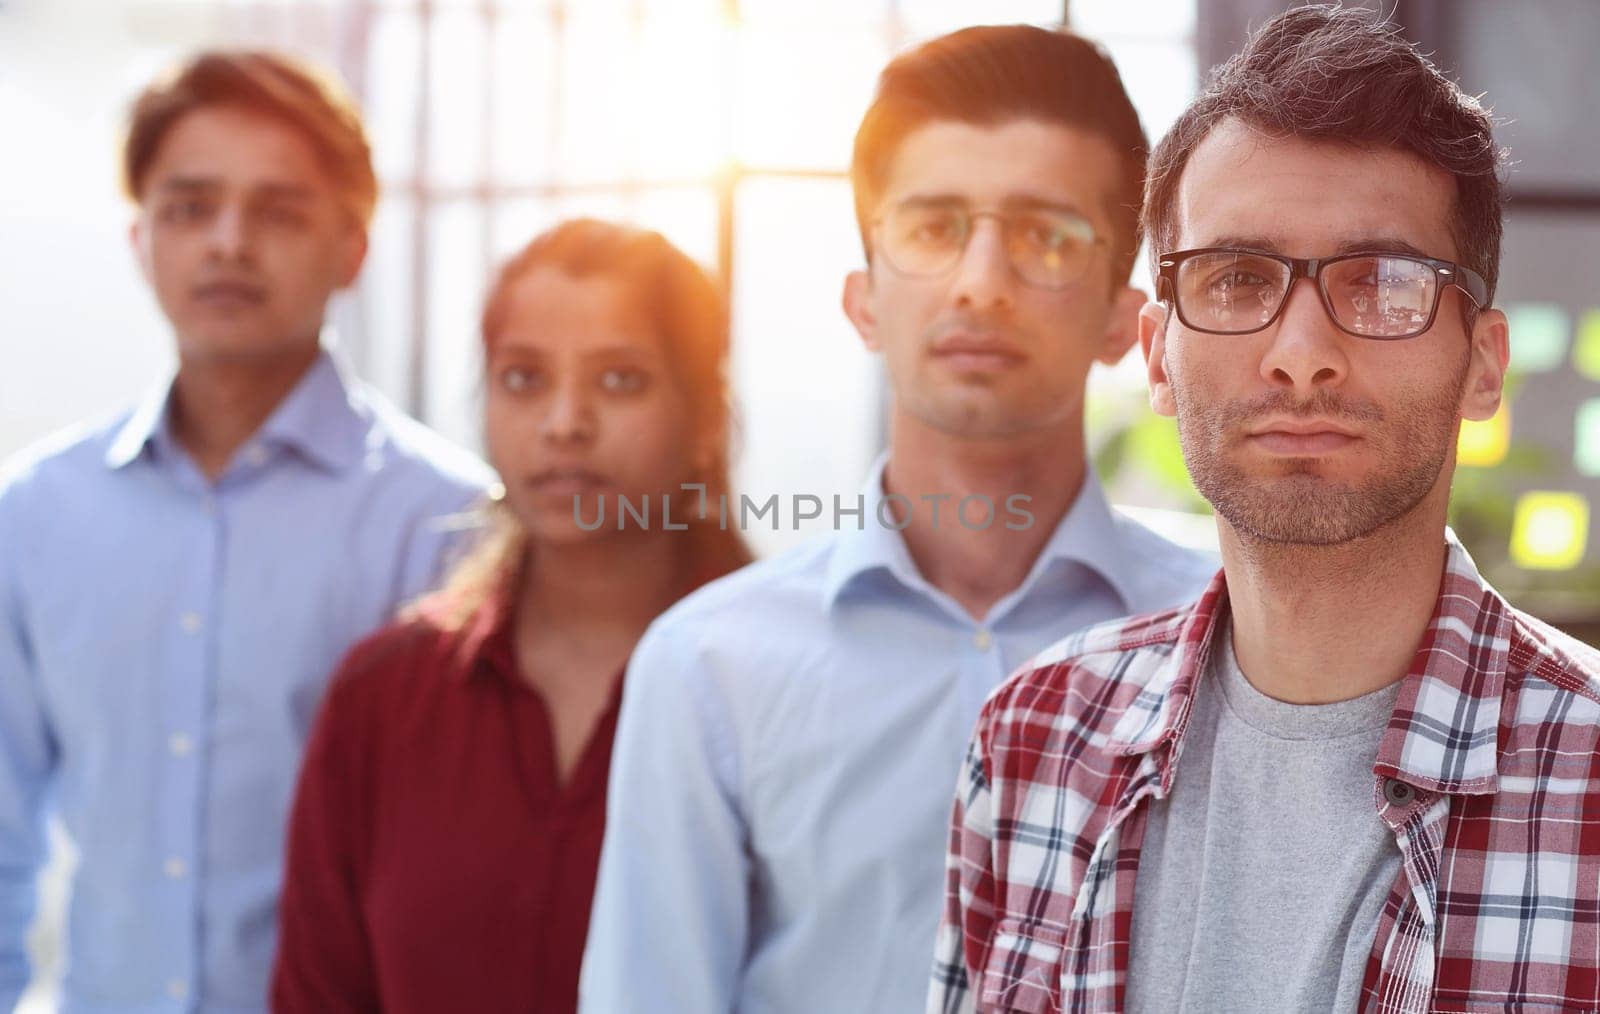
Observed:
{"x":984,"y":276}
{"x":230,"y":233}
{"x":1308,"y":350}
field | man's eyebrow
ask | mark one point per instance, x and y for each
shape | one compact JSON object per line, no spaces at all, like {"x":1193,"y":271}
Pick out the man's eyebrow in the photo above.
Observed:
{"x":284,"y":192}
{"x":1246,"y":243}
{"x":190,"y":184}
{"x":1382,"y":244}
{"x":932,"y":201}
{"x":1034,"y":202}
{"x":1361,"y":244}
{"x":270,"y":191}
{"x":1015,"y":202}
{"x":1010,"y":205}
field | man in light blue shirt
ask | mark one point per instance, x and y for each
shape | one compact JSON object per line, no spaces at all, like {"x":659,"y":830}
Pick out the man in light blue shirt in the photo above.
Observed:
{"x":780,"y":790}
{"x":176,"y":583}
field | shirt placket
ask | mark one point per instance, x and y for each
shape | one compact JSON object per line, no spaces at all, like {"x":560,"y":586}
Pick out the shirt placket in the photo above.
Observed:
{"x":983,"y":666}
{"x":1092,"y":981}
{"x":187,"y":692}
{"x":1407,"y":954}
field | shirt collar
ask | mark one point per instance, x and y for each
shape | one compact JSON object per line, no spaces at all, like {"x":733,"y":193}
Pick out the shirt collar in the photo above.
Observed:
{"x":1159,"y":713}
{"x":147,"y":424}
{"x":323,"y":418}
{"x":1087,"y":534}
{"x":870,"y":550}
{"x":485,"y":641}
{"x":1442,"y":734}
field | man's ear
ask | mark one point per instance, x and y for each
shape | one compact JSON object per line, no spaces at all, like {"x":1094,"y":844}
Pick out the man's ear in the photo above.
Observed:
{"x":1153,"y":341}
{"x":858,"y":307}
{"x":138,"y":242}
{"x":352,"y":256}
{"x":1486,"y":371}
{"x":1122,"y":326}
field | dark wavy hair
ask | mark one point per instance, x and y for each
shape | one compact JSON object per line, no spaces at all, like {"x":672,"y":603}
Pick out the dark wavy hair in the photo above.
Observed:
{"x":1331,"y":73}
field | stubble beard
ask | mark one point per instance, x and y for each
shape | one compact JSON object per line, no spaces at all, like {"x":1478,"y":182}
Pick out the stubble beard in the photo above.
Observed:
{"x":1297,"y":506}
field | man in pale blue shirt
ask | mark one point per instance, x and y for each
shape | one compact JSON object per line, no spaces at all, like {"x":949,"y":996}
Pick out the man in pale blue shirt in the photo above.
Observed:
{"x":780,"y":788}
{"x":177,"y":583}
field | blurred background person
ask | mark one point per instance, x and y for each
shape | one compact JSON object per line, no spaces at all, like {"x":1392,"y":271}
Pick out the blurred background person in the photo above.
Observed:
{"x":781,"y":793}
{"x":449,"y":817}
{"x":177,"y":581}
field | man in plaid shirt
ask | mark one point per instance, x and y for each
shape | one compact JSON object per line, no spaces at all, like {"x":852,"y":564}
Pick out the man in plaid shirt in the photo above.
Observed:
{"x":1351,"y":776}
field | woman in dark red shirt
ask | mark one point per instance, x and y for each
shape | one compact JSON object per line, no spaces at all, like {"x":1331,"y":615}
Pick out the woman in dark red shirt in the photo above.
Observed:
{"x":447,"y":827}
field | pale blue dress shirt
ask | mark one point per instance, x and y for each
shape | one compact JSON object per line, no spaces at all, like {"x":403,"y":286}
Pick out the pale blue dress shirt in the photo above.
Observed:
{"x":784,"y":765}
{"x":164,"y":642}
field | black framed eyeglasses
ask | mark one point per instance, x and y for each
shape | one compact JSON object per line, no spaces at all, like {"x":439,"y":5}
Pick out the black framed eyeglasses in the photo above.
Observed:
{"x":1378,"y":295}
{"x":1047,"y":247}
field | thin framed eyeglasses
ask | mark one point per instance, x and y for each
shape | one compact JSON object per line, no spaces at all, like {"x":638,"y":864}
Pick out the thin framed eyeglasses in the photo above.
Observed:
{"x":1379,"y":295}
{"x":1047,"y":247}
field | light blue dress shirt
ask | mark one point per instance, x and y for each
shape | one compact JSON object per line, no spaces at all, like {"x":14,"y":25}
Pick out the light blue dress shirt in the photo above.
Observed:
{"x":784,"y":765}
{"x":164,"y":642}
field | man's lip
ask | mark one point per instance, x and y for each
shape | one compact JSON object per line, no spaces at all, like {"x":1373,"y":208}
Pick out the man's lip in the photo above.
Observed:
{"x":976,"y":350}
{"x":1302,"y":428}
{"x":235,"y":292}
{"x":1302,"y":444}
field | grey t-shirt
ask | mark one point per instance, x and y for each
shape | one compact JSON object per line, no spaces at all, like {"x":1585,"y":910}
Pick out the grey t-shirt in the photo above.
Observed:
{"x":1263,"y":872}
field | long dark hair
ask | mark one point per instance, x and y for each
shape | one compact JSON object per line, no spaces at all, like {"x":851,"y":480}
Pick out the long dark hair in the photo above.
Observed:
{"x":689,"y":314}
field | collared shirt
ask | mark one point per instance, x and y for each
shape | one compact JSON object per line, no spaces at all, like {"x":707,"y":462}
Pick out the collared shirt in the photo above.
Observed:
{"x":436,"y":860}
{"x":1488,"y":775}
{"x":164,"y":642}
{"x":789,"y":736}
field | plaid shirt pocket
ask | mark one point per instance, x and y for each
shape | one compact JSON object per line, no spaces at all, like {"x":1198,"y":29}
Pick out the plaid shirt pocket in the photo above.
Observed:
{"x":1023,"y":970}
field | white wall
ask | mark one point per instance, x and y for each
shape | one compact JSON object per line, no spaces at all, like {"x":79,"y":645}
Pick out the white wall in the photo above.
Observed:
{"x":78,"y":331}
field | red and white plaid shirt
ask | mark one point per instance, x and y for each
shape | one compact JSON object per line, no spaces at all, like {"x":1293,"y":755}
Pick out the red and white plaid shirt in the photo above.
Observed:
{"x":1488,"y":775}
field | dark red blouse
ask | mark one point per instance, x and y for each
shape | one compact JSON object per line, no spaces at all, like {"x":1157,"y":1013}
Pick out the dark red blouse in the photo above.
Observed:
{"x":434,"y":862}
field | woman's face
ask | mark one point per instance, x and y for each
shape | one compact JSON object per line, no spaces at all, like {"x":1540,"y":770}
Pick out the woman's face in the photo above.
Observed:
{"x":581,"y":404}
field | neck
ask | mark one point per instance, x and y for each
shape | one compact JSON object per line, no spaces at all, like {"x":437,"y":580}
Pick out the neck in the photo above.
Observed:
{"x":1319,"y":624}
{"x":601,"y":586}
{"x":977,"y":566}
{"x":218,"y":404}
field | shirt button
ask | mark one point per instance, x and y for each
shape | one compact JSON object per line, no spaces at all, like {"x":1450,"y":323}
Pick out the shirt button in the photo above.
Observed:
{"x":177,"y":989}
{"x":175,"y":869}
{"x":179,"y":744}
{"x":982,"y":639}
{"x":190,"y":622}
{"x":208,"y":503}
{"x":1398,"y":793}
{"x":256,"y":455}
